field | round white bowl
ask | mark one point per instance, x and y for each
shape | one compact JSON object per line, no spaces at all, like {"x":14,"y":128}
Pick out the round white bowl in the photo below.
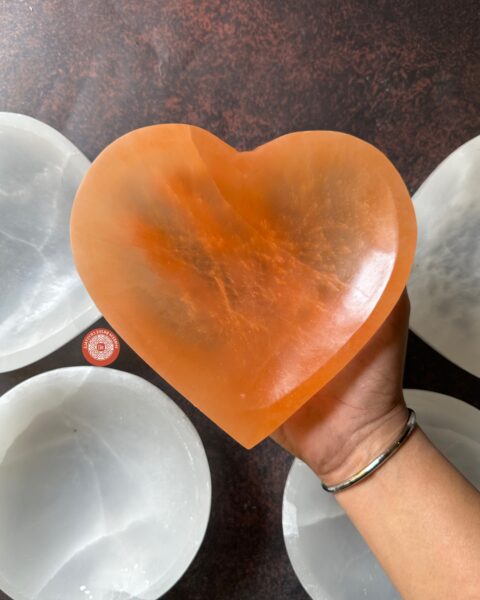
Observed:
{"x":327,"y":553}
{"x":444,"y":286}
{"x":105,"y":488}
{"x":44,"y":303}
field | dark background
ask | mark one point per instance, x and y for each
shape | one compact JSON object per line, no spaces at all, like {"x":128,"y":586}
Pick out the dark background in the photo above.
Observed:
{"x":403,"y":75}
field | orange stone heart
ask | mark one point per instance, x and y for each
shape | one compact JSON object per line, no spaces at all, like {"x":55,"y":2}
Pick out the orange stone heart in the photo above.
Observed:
{"x":246,"y":279}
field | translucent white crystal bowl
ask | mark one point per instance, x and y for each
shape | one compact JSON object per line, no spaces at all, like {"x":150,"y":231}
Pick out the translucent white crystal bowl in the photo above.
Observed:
{"x":43,"y":303}
{"x":327,"y":553}
{"x":444,"y":286}
{"x":105,"y":488}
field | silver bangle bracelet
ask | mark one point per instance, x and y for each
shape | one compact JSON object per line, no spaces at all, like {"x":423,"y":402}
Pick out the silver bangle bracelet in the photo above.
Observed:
{"x":376,"y":462}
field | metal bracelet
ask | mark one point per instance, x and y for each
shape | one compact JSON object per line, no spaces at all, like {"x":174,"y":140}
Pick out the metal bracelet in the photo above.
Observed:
{"x":376,"y":462}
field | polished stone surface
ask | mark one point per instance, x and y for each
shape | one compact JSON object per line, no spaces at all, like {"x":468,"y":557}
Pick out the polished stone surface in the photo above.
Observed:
{"x":402,"y":75}
{"x":105,"y":490}
{"x":328,"y":554}
{"x":300,"y":248}
{"x":43,"y":302}
{"x":444,"y":286}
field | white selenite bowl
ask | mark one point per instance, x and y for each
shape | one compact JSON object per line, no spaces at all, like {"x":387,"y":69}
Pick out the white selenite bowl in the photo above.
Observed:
{"x":444,"y":286}
{"x":43,"y":302}
{"x":104,"y":488}
{"x":328,"y":555}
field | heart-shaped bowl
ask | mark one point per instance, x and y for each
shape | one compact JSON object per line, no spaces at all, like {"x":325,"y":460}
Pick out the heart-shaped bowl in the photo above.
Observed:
{"x":43,"y":302}
{"x":105,"y":488}
{"x":246,"y":279}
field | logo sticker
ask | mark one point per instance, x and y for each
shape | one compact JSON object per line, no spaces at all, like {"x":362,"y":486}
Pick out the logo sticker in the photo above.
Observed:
{"x":100,"y":347}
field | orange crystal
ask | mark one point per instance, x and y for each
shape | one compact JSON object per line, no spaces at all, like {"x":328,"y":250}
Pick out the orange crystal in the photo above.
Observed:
{"x":246,"y":279}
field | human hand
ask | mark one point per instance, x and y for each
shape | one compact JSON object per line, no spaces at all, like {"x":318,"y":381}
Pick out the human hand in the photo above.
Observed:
{"x":359,"y":412}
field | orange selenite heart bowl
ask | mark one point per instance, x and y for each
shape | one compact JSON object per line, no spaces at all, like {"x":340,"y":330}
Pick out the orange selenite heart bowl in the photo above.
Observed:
{"x":246,"y":279}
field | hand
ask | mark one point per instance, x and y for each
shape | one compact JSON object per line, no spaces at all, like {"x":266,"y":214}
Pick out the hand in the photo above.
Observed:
{"x":359,"y":412}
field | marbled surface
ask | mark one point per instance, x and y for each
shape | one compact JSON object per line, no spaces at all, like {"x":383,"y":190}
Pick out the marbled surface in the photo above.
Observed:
{"x":444,"y":286}
{"x":402,"y":75}
{"x":44,"y":303}
{"x":106,"y":473}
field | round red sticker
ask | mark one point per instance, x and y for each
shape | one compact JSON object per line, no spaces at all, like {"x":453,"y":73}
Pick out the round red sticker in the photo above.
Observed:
{"x":100,"y":347}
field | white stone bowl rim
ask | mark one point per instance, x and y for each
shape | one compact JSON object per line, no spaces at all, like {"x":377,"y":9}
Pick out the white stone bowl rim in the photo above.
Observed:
{"x":83,"y":320}
{"x":199,"y":454}
{"x":438,"y":407}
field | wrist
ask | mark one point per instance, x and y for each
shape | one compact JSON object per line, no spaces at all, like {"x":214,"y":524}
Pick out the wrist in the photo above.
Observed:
{"x":364,"y":445}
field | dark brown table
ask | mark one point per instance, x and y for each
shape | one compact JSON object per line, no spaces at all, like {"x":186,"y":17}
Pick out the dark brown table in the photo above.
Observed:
{"x":402,"y":75}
